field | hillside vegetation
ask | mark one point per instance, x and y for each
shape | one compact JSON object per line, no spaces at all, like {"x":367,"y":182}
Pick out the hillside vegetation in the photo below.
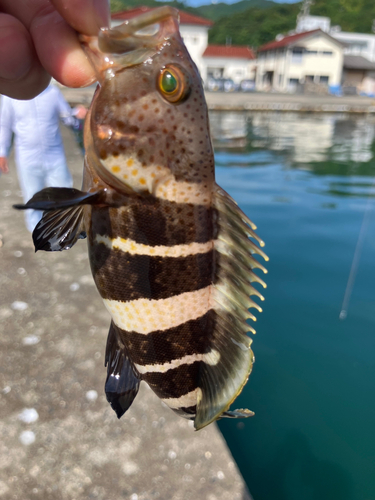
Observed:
{"x":255,"y":22}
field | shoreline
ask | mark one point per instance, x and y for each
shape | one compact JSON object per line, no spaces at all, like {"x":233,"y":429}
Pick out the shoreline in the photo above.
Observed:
{"x":260,"y":101}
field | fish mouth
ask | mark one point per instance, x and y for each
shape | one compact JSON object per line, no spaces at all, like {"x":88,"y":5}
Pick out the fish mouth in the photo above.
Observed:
{"x":131,"y":43}
{"x":140,"y":32}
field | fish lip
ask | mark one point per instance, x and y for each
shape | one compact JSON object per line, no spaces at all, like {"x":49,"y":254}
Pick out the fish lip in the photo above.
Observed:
{"x":126,"y":45}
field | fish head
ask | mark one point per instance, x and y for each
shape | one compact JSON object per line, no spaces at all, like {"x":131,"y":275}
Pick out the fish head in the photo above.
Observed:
{"x":148,"y":121}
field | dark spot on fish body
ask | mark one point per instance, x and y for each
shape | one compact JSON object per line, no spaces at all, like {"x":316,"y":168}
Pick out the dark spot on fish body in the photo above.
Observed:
{"x":174,"y":383}
{"x":163,"y":346}
{"x":124,"y":276}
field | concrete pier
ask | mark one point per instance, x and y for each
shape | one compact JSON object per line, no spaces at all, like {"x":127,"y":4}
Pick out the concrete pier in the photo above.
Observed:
{"x":262,"y":101}
{"x":59,"y":438}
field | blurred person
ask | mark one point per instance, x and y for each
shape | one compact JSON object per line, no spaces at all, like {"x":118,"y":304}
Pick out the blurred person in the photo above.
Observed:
{"x":39,"y":151}
{"x":39,"y":39}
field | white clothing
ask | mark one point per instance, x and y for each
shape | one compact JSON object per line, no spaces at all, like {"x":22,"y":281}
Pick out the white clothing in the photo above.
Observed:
{"x":39,"y":150}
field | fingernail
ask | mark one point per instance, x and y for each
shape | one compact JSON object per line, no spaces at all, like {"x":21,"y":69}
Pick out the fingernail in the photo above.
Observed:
{"x":101,"y":8}
{"x":15,"y":55}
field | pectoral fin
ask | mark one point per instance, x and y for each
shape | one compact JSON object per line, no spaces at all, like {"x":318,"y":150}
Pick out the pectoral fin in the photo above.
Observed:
{"x":54,"y":198}
{"x":122,"y":383}
{"x":59,"y":229}
{"x":62,"y":222}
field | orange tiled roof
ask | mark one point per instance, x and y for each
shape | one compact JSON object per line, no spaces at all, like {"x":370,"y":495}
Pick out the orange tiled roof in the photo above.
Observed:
{"x":239,"y":51}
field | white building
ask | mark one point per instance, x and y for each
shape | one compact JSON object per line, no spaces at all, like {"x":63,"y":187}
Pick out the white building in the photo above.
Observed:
{"x":355,"y":44}
{"x":310,"y":23}
{"x":193,"y":29}
{"x":312,"y":56}
{"x":235,"y":62}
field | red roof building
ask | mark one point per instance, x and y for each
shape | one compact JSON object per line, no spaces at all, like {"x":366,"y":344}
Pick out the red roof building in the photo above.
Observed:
{"x":291,"y":40}
{"x":185,"y":17}
{"x":310,"y":57}
{"x":232,"y":51}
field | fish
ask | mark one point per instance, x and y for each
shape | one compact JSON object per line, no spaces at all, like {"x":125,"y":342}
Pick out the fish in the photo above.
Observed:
{"x":171,"y":253}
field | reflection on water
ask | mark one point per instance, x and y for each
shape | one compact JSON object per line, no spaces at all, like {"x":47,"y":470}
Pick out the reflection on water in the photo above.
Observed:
{"x":301,"y":138}
{"x":306,"y":181}
{"x":326,"y":144}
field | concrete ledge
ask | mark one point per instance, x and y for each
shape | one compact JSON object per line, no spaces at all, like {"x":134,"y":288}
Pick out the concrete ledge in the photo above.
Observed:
{"x":259,"y":101}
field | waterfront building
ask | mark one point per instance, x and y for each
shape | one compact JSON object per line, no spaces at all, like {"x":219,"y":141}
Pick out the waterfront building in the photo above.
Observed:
{"x":237,"y":63}
{"x":219,"y":61}
{"x":308,"y":57}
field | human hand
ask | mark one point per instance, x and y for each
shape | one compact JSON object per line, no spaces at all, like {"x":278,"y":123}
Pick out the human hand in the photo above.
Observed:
{"x":80,"y":112}
{"x":38,"y":38}
{"x":4,"y":165}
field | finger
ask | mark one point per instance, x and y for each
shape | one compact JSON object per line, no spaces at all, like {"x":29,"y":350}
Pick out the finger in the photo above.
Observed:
{"x":21,"y":74}
{"x":59,"y":50}
{"x":55,"y":42}
{"x":85,"y":16}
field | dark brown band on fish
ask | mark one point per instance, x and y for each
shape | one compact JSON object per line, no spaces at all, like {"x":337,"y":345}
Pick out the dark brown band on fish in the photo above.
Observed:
{"x":123,"y":277}
{"x":155,"y":222}
{"x":174,"y":383}
{"x":192,"y":337}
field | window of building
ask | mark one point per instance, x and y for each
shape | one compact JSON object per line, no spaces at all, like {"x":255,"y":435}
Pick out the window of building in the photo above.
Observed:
{"x":293,"y":81}
{"x":357,"y":46}
{"x":324,"y":79}
{"x":215,"y":72}
{"x":281,"y":77}
{"x":312,"y":52}
{"x":327,"y":52}
{"x":309,"y":78}
{"x":297,"y":54}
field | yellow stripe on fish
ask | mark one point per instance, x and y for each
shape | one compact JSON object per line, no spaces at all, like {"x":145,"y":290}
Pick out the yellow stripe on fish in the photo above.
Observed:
{"x":134,"y":248}
{"x":157,"y":180}
{"x":145,"y":316}
{"x":185,"y":401}
{"x":211,"y":358}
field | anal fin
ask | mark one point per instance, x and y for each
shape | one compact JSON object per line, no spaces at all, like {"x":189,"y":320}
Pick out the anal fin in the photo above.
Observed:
{"x":122,"y":383}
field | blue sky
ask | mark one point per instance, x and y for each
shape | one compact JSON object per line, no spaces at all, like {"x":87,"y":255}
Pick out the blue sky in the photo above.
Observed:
{"x":196,"y":3}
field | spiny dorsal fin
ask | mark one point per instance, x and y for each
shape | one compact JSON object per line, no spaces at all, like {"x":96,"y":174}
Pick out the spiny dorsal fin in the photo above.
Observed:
{"x":221,"y":383}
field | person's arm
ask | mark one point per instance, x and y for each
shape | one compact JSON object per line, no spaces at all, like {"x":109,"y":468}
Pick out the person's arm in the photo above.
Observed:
{"x":6,"y":131}
{"x":39,"y":38}
{"x":70,"y":117}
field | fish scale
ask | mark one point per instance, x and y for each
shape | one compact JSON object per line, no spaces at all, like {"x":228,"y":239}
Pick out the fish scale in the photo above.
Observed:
{"x":169,"y":250}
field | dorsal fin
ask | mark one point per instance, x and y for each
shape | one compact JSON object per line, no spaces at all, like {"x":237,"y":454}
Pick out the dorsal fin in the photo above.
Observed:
{"x":221,"y":382}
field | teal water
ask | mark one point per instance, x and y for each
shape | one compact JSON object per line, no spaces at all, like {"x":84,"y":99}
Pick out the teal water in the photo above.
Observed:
{"x":307,"y":181}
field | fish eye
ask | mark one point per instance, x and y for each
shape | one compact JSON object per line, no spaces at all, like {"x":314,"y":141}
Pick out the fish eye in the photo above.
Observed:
{"x":173,"y":84}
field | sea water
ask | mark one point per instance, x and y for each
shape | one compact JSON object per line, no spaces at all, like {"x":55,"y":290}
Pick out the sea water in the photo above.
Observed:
{"x":308,"y":183}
